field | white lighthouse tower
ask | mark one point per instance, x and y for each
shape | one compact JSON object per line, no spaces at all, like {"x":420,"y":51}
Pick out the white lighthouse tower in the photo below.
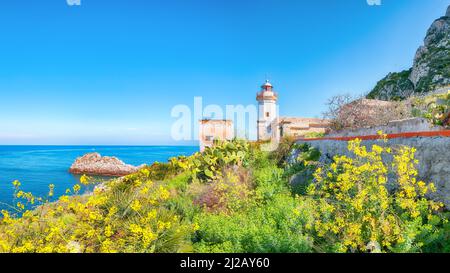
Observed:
{"x":267,"y":111}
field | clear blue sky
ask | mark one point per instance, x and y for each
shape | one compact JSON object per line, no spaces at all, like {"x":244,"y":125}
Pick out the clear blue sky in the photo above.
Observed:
{"x":109,"y":72}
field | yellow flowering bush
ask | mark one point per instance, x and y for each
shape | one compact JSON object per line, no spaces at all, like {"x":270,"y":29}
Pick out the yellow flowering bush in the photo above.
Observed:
{"x":435,"y":108}
{"x":357,"y":203}
{"x":116,"y":217}
{"x":358,"y":210}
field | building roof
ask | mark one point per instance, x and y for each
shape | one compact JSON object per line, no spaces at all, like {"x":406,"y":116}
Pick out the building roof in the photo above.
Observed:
{"x":216,"y":121}
{"x":303,"y":120}
{"x":267,"y":83}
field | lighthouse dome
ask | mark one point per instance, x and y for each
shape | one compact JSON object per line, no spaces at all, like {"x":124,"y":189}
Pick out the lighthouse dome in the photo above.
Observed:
{"x":268,"y":84}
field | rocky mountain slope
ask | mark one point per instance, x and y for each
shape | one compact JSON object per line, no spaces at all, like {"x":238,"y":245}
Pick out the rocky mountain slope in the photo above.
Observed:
{"x":431,"y":67}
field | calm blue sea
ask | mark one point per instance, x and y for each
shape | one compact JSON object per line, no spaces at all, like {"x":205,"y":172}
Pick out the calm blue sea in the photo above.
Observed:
{"x":38,"y":166}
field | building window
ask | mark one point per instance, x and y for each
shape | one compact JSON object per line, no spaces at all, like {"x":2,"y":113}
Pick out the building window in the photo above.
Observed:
{"x":209,"y":138}
{"x":267,"y":114}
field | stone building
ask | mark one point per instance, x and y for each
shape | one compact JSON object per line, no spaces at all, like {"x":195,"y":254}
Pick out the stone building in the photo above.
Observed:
{"x":272,"y":127}
{"x":211,"y":130}
{"x":298,"y":127}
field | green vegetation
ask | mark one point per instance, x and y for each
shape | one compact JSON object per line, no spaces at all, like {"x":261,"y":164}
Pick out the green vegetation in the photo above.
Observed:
{"x":236,"y":198}
{"x":357,"y":211}
{"x":314,"y":135}
{"x":395,"y":86}
{"x":438,"y":60}
{"x":435,"y":108}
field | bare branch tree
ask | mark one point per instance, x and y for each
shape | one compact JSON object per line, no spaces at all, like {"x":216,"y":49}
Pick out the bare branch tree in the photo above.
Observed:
{"x":347,"y":112}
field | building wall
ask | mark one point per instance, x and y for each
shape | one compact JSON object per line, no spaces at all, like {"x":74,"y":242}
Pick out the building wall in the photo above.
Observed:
{"x":300,"y":132}
{"x":392,"y":127}
{"x":298,"y":127}
{"x":211,"y":130}
{"x":267,"y":113}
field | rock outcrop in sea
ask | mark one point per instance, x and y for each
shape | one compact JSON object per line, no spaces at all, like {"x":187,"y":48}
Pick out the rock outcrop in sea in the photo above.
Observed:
{"x":95,"y":164}
{"x":430,"y":70}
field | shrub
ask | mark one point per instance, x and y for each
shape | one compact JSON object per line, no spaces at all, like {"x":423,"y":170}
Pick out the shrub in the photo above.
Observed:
{"x":435,"y":108}
{"x":356,"y":211}
{"x":283,"y":151}
{"x":314,"y":135}
{"x":227,"y":194}
{"x":440,"y":241}
{"x":245,"y":206}
{"x":258,"y":229}
{"x":263,"y":221}
{"x":210,"y":164}
{"x":118,"y":217}
{"x":300,"y":171}
{"x":268,"y":182}
{"x":161,"y":171}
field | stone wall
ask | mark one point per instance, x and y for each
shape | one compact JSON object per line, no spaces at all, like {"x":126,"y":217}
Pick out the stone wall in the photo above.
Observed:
{"x":393,"y":127}
{"x":439,"y":91}
{"x":433,"y":153}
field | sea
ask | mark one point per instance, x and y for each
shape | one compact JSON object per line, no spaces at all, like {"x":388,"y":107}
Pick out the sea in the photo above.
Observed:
{"x":36,"y":167}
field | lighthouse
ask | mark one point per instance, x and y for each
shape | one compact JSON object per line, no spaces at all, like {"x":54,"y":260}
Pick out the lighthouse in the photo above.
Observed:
{"x":267,"y":111}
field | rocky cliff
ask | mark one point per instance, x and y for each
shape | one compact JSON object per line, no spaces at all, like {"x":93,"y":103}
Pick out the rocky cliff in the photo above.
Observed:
{"x":431,"y":66}
{"x":95,"y":164}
